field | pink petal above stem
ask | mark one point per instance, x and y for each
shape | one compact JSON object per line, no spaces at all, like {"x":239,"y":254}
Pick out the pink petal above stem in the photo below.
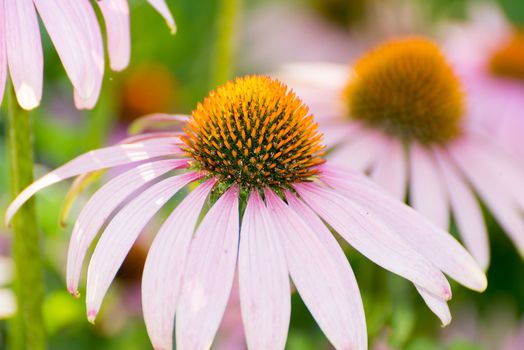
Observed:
{"x":24,"y":51}
{"x":121,"y":233}
{"x":208,"y":275}
{"x":96,"y":160}
{"x":116,"y":17}
{"x":165,"y":264}
{"x":265,"y":294}
{"x":99,"y":208}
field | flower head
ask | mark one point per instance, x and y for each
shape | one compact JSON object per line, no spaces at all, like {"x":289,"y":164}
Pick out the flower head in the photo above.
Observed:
{"x":252,"y":148}
{"x":400,"y":115}
{"x":75,"y":33}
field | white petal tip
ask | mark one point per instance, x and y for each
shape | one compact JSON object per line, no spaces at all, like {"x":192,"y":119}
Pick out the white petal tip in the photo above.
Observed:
{"x":27,"y":97}
{"x":172,"y":27}
{"x":91,"y":316}
{"x":445,"y":322}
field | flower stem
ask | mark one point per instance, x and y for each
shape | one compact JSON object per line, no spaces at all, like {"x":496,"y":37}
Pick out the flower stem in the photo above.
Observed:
{"x":222,"y":58}
{"x":27,"y":328}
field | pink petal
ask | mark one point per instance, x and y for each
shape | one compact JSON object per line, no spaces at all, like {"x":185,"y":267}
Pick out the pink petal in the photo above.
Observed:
{"x":263,"y":276}
{"x":490,"y":188}
{"x":103,"y":203}
{"x":427,"y":191}
{"x":116,"y":16}
{"x":365,"y":231}
{"x":438,"y":305}
{"x":24,"y":51}
{"x":3,"y":57}
{"x":157,"y":120}
{"x":361,"y":153}
{"x":322,"y":275}
{"x":121,"y":233}
{"x":208,"y":275}
{"x":467,"y":212}
{"x":390,"y":172}
{"x":161,"y":7}
{"x":433,"y":243}
{"x":96,"y":160}
{"x":74,"y":30}
{"x":165,"y":263}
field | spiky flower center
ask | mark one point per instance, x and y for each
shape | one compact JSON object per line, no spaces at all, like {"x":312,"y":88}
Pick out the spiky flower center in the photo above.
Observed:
{"x":406,"y":88}
{"x":256,"y":133}
{"x":508,"y":60}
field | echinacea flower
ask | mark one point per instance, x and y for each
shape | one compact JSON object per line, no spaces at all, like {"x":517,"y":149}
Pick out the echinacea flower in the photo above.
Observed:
{"x":254,"y":157}
{"x":401,"y":115}
{"x":75,"y":33}
{"x":489,"y":53}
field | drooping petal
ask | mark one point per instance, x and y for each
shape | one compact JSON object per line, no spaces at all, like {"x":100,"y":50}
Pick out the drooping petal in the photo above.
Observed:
{"x":438,"y":305}
{"x":24,"y":51}
{"x":425,"y":237}
{"x":390,"y":172}
{"x":72,"y":26}
{"x":467,"y":212}
{"x":121,"y":233}
{"x":427,"y":191}
{"x":343,"y":318}
{"x":265,"y":295}
{"x":501,"y":202}
{"x":208,"y":275}
{"x":95,"y":160}
{"x":365,"y":232}
{"x":161,"y":7}
{"x":116,"y":17}
{"x":164,"y":265}
{"x":3,"y":56}
{"x":103,"y":203}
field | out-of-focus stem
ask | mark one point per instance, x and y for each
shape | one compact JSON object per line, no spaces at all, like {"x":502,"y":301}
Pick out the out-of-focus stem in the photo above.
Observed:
{"x":27,"y":328}
{"x":222,"y":58}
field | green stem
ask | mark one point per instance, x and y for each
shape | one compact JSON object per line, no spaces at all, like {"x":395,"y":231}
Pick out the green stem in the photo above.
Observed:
{"x":27,"y":329}
{"x":222,"y":58}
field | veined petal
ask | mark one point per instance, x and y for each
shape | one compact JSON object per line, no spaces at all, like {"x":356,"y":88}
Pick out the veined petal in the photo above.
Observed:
{"x":425,"y":237}
{"x":438,"y":305}
{"x":467,"y":212}
{"x":116,"y":16}
{"x":265,"y":295}
{"x":390,"y":172}
{"x":365,"y":231}
{"x":96,"y":160}
{"x":208,"y":275}
{"x":427,"y":191}
{"x":121,"y":233}
{"x":343,"y":318}
{"x":161,"y":7}
{"x":103,"y":203}
{"x":24,"y":51}
{"x":72,"y":26}
{"x":3,"y":56}
{"x":164,"y":265}
{"x":501,"y":202}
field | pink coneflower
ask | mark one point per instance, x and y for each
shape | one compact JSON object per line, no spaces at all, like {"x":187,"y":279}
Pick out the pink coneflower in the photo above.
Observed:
{"x":74,"y":30}
{"x":401,"y":115}
{"x":489,"y":53}
{"x":254,"y":157}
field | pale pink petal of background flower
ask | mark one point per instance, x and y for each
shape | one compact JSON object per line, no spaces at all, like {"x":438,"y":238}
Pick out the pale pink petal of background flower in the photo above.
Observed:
{"x":24,"y":51}
{"x":3,"y":56}
{"x":116,"y":17}
{"x":162,"y":276}
{"x":161,"y":7}
{"x":390,"y":171}
{"x":209,"y":273}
